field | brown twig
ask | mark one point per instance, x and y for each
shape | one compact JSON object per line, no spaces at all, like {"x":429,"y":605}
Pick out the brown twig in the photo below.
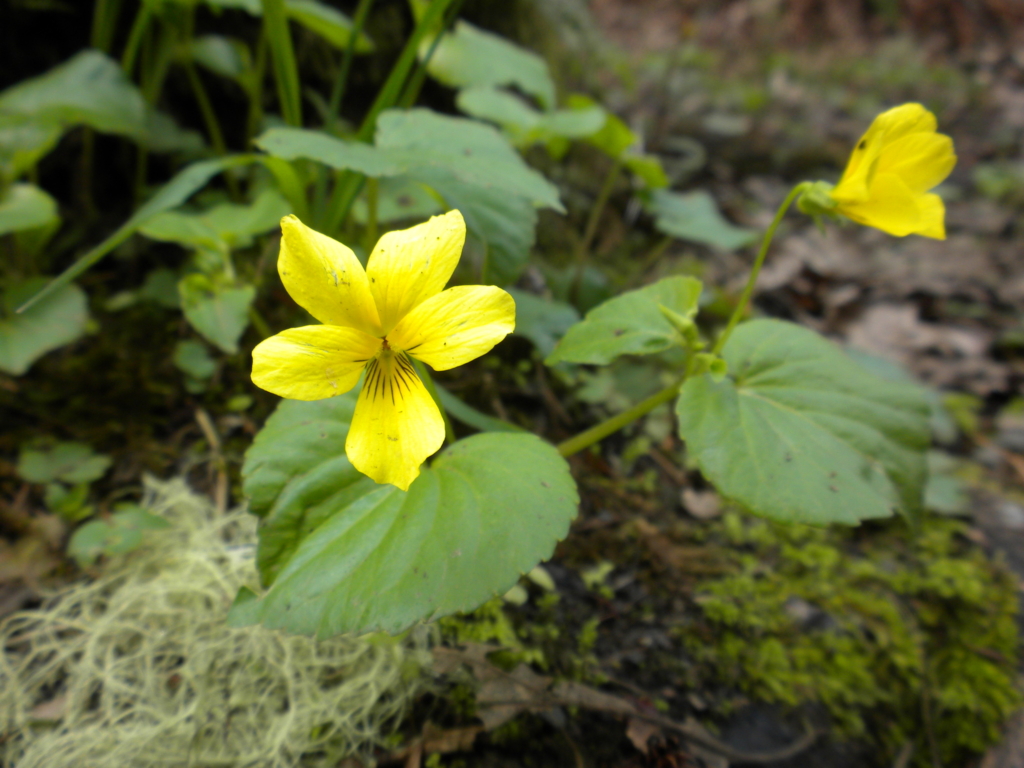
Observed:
{"x":220,"y":494}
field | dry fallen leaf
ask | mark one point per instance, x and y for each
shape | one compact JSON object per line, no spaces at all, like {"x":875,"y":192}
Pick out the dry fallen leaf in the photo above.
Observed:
{"x":704,"y":505}
{"x":640,"y":733}
{"x":942,"y":355}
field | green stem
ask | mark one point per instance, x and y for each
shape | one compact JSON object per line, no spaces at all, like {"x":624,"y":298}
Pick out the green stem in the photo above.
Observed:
{"x":650,"y":259}
{"x":371,"y":214}
{"x":252,"y":123}
{"x":348,"y":185}
{"x":599,"y":432}
{"x":428,"y":382}
{"x":741,"y":306}
{"x":415,"y":84}
{"x":206,"y":108}
{"x":340,"y":83}
{"x":139,"y":28}
{"x":286,"y":71}
{"x":583,"y":249}
{"x":259,"y":323}
{"x":104,"y":23}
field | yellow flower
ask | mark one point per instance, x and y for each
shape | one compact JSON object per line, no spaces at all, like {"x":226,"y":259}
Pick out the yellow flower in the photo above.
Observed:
{"x":374,"y":320}
{"x":886,"y":181}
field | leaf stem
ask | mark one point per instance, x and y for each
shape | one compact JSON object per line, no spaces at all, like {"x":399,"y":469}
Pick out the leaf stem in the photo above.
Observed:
{"x":615,"y":423}
{"x":741,"y":305}
{"x":583,"y":248}
{"x":139,"y":28}
{"x":415,"y":84}
{"x":104,"y":24}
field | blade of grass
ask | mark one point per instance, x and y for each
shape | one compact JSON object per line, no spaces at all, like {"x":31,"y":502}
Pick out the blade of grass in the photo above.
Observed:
{"x":348,"y":184}
{"x":135,"y":37}
{"x":186,"y":183}
{"x":338,"y":91}
{"x":286,"y":71}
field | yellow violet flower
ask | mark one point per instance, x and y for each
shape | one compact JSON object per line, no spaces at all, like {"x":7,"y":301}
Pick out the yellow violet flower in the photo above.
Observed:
{"x":374,"y":320}
{"x":886,"y":182}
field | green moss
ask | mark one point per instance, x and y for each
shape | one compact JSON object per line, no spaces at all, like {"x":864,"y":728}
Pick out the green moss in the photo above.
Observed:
{"x":490,"y":624}
{"x":898,"y":637}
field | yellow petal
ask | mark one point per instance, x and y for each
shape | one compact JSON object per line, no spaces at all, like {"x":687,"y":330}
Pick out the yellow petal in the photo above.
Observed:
{"x":456,"y":326}
{"x":396,"y":425}
{"x":933,"y":217}
{"x":411,"y":265}
{"x":890,"y":207}
{"x":325,"y":278}
{"x":922,"y":160}
{"x":312,"y":362}
{"x":887,"y":128}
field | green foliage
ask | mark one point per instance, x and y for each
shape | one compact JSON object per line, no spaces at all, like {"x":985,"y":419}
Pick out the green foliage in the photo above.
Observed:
{"x":504,"y":224}
{"x":220,"y":312}
{"x":488,"y":509}
{"x":88,"y":89}
{"x":457,"y":409}
{"x":296,"y":475}
{"x":224,"y":227}
{"x":469,"y":57}
{"x":26,"y":206}
{"x":68,"y":462}
{"x":193,"y":359}
{"x":65,"y":469}
{"x":408,"y":141}
{"x":1001,"y":180}
{"x":52,"y":323}
{"x":694,"y":216}
{"x":328,"y":22}
{"x":469,"y":165}
{"x":399,"y":199}
{"x":542,"y":322}
{"x":616,"y":140}
{"x":631,"y":323}
{"x":175,"y":192}
{"x":524,"y":124}
{"x":801,"y":433}
{"x":123,"y":532}
{"x":226,"y":56}
{"x":878,"y":632}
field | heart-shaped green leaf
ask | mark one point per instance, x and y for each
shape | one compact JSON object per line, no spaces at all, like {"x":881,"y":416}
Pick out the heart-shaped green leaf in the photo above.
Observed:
{"x":351,"y":556}
{"x":469,"y":56}
{"x":526,"y":125}
{"x":55,"y":321}
{"x":90,"y":89}
{"x":296,"y":475}
{"x":630,"y":324}
{"x":219,"y":313}
{"x":694,"y":216}
{"x":800,"y":433}
{"x":25,"y":206}
{"x":70,"y":462}
{"x":420,"y":139}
